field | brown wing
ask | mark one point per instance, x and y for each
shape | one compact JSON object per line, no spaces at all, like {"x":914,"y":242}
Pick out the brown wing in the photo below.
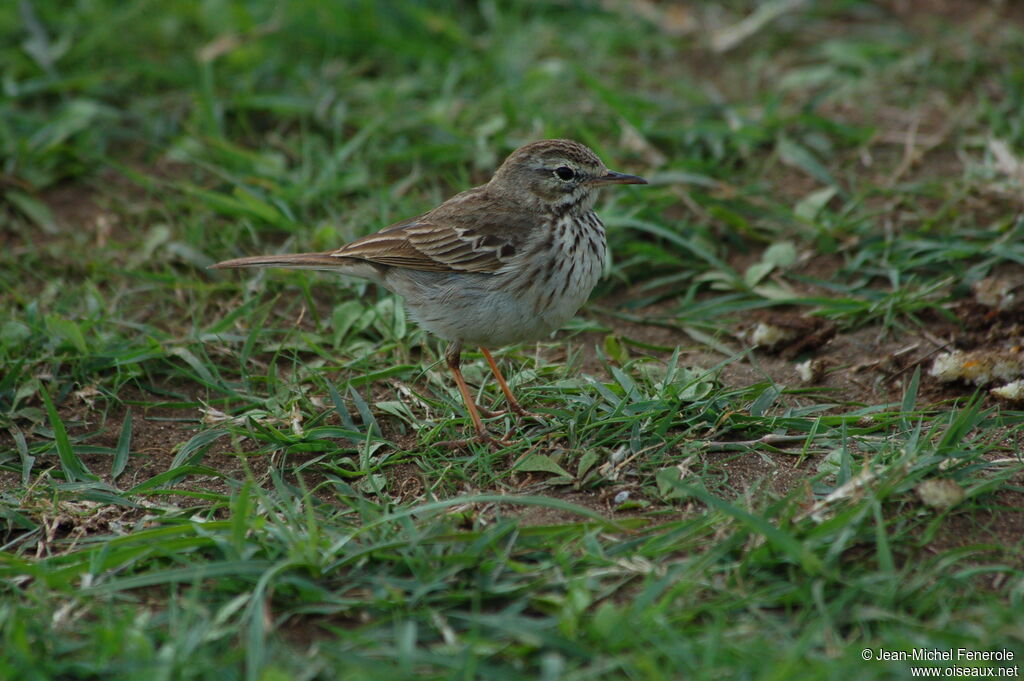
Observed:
{"x":471,"y":232}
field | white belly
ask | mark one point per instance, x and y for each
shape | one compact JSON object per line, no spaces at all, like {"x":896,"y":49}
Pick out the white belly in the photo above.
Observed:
{"x":526,"y":301}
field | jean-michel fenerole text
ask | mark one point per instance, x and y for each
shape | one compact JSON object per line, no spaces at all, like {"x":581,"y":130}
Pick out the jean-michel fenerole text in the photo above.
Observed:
{"x":948,"y":654}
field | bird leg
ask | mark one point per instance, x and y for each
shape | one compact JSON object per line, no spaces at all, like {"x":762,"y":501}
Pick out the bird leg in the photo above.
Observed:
{"x":513,"y":403}
{"x":453,"y":355}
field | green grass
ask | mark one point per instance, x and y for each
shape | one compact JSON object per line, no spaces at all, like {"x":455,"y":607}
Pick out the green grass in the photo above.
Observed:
{"x":223,"y":476}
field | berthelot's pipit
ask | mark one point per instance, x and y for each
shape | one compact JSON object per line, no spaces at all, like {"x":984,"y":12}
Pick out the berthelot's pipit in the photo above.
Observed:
{"x":506,"y":262}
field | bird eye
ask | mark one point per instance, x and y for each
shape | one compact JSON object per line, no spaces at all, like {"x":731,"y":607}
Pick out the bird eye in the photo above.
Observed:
{"x":565,"y":173}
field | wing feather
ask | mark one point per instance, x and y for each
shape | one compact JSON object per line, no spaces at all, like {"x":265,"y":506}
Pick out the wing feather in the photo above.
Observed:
{"x":472,"y":232}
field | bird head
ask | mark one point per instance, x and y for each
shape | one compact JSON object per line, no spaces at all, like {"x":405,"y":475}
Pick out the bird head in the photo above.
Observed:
{"x":556,"y":173}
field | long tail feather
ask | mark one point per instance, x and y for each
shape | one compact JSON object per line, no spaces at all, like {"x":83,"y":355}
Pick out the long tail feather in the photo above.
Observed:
{"x":303,"y":261}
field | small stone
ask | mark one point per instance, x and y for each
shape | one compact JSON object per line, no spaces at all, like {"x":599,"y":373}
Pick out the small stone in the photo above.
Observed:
{"x":770,"y":335}
{"x":940,"y":492}
{"x":1011,"y":392}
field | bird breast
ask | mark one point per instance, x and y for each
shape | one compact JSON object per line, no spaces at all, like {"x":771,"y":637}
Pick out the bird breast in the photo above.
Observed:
{"x":532,"y":296}
{"x":561,"y":268}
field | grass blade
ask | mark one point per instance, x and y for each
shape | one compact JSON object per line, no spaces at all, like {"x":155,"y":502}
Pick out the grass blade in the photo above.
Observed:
{"x":194,"y":446}
{"x":72,"y":466}
{"x":123,"y":446}
{"x":782,"y":541}
{"x":27,"y":460}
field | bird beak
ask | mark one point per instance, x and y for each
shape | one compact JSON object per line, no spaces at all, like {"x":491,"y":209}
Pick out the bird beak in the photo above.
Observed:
{"x":616,"y":178}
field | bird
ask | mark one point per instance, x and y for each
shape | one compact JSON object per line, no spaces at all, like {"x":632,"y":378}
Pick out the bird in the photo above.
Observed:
{"x":506,"y":262}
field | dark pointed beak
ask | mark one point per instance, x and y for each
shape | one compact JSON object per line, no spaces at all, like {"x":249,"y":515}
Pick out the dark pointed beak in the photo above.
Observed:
{"x":616,"y":178}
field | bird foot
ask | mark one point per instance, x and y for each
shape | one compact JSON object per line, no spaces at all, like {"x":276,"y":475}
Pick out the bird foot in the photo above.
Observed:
{"x":489,"y":414}
{"x":517,"y":410}
{"x":523,"y":415}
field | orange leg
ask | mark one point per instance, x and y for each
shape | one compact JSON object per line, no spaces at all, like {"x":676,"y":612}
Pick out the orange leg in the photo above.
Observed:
{"x":454,"y":357}
{"x":513,"y":403}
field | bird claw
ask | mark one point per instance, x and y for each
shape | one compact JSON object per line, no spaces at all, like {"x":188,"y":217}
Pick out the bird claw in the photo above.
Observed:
{"x":488,"y":414}
{"x":521,"y":414}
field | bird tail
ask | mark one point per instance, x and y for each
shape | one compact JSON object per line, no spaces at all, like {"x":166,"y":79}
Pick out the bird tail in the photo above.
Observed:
{"x":298,"y":261}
